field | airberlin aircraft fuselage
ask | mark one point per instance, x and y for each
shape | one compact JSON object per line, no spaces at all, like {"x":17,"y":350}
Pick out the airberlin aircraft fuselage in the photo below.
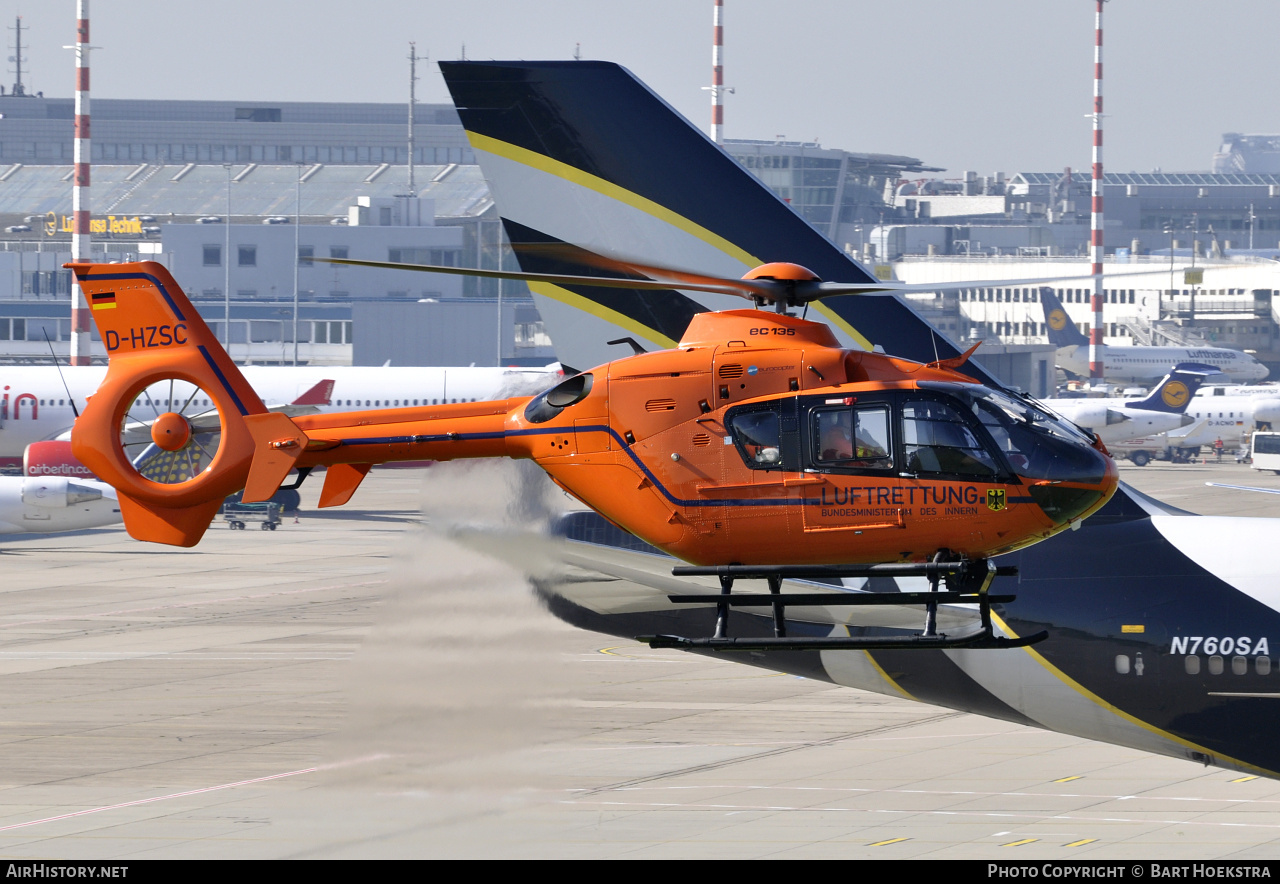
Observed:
{"x":35,"y":404}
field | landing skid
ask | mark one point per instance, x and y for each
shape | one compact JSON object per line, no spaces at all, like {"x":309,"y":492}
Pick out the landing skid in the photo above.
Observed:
{"x":967,"y":583}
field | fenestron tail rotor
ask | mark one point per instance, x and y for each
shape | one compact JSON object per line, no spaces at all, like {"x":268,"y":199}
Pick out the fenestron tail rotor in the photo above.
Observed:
{"x":171,"y":431}
{"x":169,"y":427}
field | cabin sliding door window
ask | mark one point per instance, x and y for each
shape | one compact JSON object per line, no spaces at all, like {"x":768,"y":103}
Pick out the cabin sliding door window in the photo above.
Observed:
{"x":851,"y":438}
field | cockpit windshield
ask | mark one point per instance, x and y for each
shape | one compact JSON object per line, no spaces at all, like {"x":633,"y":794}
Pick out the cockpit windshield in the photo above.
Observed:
{"x":936,"y":439}
{"x":1021,"y":410}
{"x":1036,"y":444}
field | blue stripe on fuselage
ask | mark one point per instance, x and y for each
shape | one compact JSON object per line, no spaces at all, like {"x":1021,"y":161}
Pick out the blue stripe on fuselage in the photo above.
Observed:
{"x":594,"y":428}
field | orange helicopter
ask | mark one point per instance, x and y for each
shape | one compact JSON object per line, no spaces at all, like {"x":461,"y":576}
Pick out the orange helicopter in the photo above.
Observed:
{"x":757,"y":443}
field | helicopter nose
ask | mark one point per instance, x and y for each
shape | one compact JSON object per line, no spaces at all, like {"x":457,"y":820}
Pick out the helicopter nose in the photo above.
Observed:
{"x":1083,"y":488}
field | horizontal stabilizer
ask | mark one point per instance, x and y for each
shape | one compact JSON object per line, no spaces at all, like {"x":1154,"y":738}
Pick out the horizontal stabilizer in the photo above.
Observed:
{"x":341,"y":481}
{"x":278,"y":443}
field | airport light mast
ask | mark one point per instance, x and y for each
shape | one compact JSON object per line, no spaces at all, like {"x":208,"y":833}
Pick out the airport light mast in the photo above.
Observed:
{"x":18,"y":58}
{"x":413,"y":80}
{"x":81,"y":243}
{"x":297,"y":259}
{"x":1097,"y":328}
{"x":226,"y":271}
{"x":717,"y":87}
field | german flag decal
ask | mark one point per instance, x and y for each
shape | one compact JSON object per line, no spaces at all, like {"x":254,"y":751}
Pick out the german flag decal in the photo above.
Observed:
{"x":104,"y":300}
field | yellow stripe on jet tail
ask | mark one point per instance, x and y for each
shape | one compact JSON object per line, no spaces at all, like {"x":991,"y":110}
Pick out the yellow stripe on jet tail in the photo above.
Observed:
{"x":110,"y":306}
{"x":599,"y":311}
{"x":1116,"y":710}
{"x":880,"y":669}
{"x":840,"y":323}
{"x":544,"y":163}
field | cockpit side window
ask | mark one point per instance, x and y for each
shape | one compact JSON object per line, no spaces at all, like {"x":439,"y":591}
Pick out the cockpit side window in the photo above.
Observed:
{"x":937,"y":439}
{"x":851,"y":438}
{"x":758,"y":437}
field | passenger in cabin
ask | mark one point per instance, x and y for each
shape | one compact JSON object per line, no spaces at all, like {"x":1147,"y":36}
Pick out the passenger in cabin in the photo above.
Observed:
{"x":849,"y":437}
{"x":837,"y":436}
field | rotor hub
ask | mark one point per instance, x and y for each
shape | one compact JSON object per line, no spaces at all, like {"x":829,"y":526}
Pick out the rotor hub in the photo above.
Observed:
{"x":786,"y":280}
{"x":170,"y":431}
{"x":782,"y":271}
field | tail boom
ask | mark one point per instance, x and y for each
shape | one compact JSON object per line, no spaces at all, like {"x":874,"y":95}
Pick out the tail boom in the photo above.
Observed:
{"x":444,"y":432}
{"x":154,"y":335}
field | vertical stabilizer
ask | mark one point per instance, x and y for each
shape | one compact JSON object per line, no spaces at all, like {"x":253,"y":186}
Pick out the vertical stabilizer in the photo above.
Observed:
{"x":1175,"y":392}
{"x":587,"y":164}
{"x":1062,"y":331}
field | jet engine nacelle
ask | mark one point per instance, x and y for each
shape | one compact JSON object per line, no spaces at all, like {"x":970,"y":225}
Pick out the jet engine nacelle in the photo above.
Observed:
{"x":1094,"y":416}
{"x":56,"y":492}
{"x":1266,"y":411}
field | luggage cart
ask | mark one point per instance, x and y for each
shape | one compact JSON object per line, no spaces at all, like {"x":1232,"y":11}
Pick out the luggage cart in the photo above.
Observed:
{"x":237,"y":515}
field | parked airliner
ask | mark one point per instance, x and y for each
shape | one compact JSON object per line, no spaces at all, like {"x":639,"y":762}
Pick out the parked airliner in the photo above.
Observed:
{"x":55,"y":493}
{"x":1164,"y":409}
{"x":1142,"y":365}
{"x":1231,"y":415}
{"x":36,"y":401}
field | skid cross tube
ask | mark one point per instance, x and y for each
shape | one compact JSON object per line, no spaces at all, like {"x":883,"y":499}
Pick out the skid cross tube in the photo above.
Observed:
{"x":931,"y":606}
{"x":722,"y":608}
{"x":779,"y":618}
{"x":967,"y":582}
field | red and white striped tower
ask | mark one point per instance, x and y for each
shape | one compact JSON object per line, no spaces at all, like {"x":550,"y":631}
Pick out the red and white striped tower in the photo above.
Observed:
{"x":717,"y":87}
{"x":1097,"y":328}
{"x":80,"y":247}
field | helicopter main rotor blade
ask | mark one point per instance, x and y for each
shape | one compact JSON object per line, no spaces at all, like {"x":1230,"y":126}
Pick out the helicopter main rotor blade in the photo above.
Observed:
{"x":804,"y":290}
{"x":908,"y":288}
{"x":743,"y":288}
{"x":792,"y":292}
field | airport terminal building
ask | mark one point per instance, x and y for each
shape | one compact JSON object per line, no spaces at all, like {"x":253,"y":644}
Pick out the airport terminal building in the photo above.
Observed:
{"x":298,"y":181}
{"x":301,"y":181}
{"x":37,"y":131}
